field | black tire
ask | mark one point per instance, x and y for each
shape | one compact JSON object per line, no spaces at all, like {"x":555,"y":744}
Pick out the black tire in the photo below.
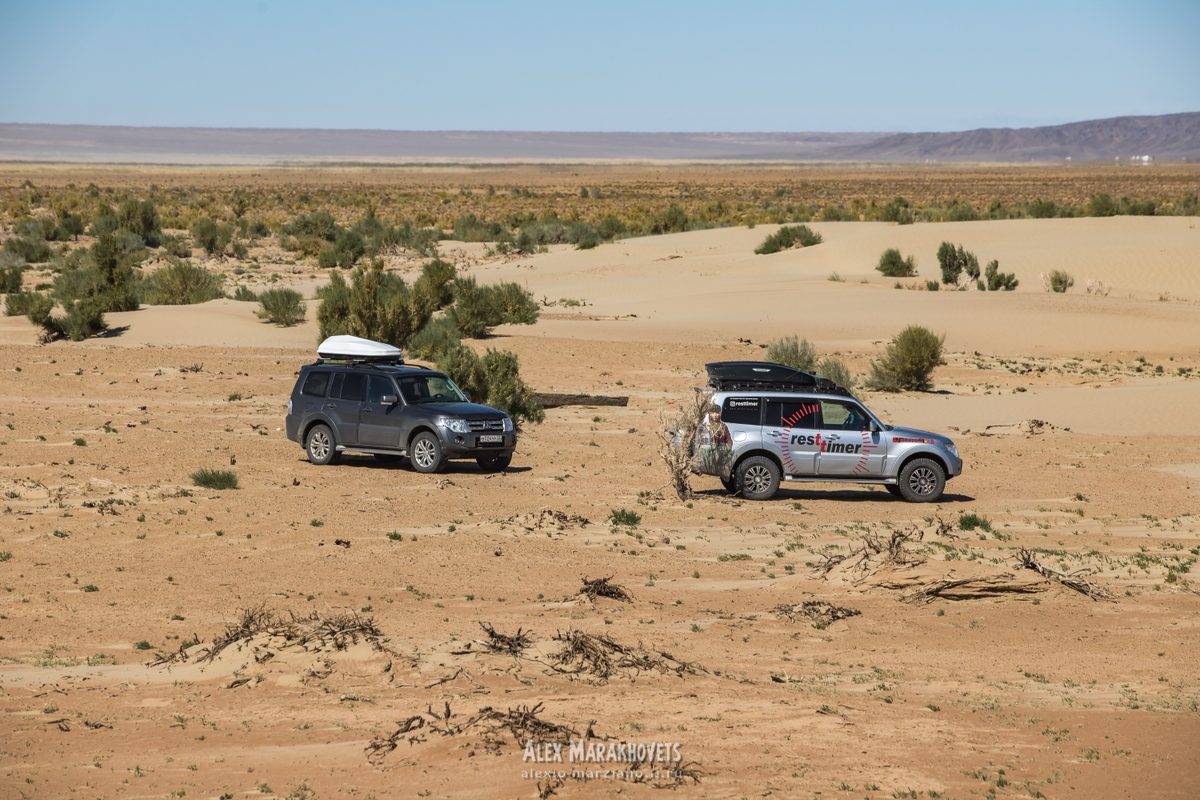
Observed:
{"x":758,"y":478}
{"x":494,"y":463}
{"x":730,"y":484}
{"x":425,"y":453}
{"x":387,"y":458}
{"x":894,"y":490}
{"x":320,"y":446}
{"x":922,"y":480}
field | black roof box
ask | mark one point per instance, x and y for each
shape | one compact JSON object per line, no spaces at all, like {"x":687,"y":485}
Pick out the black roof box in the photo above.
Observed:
{"x":734,"y":376}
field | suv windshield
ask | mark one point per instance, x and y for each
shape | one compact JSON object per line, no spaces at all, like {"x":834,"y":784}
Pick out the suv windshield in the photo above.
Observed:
{"x":418,"y":389}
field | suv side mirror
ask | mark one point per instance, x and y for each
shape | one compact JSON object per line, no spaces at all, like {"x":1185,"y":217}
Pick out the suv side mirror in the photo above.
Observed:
{"x":874,"y":427}
{"x":467,"y":395}
{"x":390,"y":399}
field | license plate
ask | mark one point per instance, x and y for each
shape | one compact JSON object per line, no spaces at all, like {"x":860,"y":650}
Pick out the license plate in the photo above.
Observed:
{"x":495,"y":439}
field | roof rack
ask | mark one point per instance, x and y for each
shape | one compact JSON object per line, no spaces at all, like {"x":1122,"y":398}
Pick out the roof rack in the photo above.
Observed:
{"x":761,"y":376}
{"x":358,"y":351}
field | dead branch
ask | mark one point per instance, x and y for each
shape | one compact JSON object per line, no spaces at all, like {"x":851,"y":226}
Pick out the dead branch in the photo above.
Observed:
{"x":378,"y":748}
{"x":501,"y":643}
{"x":676,"y":435}
{"x":974,"y":588}
{"x":601,"y":657}
{"x":1072,"y":580}
{"x":821,"y":613}
{"x":603,"y":587}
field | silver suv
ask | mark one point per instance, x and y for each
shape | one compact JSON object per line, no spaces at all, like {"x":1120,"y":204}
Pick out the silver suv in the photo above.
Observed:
{"x":769,"y":423}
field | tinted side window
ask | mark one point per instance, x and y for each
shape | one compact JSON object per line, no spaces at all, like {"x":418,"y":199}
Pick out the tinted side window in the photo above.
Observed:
{"x":315,"y":384}
{"x":843,"y":417}
{"x":335,"y":389}
{"x":741,"y":411}
{"x":377,"y":387}
{"x":354,"y":388}
{"x":798,"y":413}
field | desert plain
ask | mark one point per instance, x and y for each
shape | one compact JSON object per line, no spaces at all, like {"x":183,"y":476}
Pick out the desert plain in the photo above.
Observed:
{"x":328,"y":631}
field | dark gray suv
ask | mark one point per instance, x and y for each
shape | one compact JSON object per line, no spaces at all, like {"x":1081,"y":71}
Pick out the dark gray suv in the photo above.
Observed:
{"x":391,"y":411}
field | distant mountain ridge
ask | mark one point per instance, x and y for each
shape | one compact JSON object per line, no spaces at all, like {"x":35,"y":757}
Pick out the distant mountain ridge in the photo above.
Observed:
{"x":1168,"y":137}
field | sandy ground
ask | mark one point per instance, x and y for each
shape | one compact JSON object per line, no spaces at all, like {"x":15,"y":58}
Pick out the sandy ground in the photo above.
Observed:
{"x":117,"y":561}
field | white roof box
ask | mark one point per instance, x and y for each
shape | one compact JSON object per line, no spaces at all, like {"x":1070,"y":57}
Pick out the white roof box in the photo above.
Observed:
{"x":353,"y":348}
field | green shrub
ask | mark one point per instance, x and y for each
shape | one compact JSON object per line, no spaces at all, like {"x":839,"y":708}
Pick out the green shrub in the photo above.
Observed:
{"x":375,"y":305}
{"x":319,"y":224}
{"x":836,"y":370}
{"x":1101,"y":205}
{"x":893,"y":265}
{"x":141,"y":219}
{"x":435,"y":339}
{"x":215,"y":478}
{"x":673,"y":220}
{"x":623,"y":517}
{"x":792,"y":352}
{"x":973,"y":521}
{"x":11,"y":276}
{"x":897,"y":210}
{"x":1059,"y":281}
{"x":210,"y":236}
{"x":434,"y":290}
{"x":18,"y":304}
{"x":932,"y":286}
{"x":33,"y":249}
{"x":281,"y":306}
{"x":116,"y":277}
{"x":477,"y":309}
{"x":788,"y":237}
{"x":245,"y":294}
{"x":347,"y":249}
{"x":908,"y":362}
{"x":176,"y":246}
{"x":182,"y":283}
{"x":954,"y":261}
{"x":997,"y":280}
{"x":1042,"y":209}
{"x":494,"y":380}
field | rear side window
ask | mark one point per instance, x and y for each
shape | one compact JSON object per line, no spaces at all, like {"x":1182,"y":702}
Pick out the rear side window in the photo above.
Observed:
{"x":316,"y":384}
{"x":741,"y":411}
{"x":798,"y":413}
{"x":354,"y":388}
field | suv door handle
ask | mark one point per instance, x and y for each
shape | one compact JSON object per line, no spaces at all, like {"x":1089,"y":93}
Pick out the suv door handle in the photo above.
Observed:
{"x":366,"y":409}
{"x":332,"y":405}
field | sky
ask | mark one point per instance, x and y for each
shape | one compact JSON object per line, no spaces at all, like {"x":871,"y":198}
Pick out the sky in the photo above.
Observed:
{"x":586,"y":65}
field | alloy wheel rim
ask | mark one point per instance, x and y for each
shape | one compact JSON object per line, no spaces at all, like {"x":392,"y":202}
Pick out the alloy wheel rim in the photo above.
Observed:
{"x":757,"y":479}
{"x":922,"y":481}
{"x":318,"y":445}
{"x":423,"y":453}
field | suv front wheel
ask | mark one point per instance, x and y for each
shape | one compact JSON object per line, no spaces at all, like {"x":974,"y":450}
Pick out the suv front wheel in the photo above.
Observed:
{"x":319,"y":446}
{"x":922,"y":480}
{"x":758,"y":478}
{"x":425,"y":452}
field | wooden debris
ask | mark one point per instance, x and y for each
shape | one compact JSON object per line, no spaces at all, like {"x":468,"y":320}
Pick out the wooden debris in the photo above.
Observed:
{"x":551,"y":400}
{"x":603,"y":587}
{"x":1072,"y":580}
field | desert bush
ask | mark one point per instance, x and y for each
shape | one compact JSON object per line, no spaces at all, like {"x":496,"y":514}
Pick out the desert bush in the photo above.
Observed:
{"x":239,"y":249}
{"x":434,"y":289}
{"x":997,"y":280}
{"x":435,"y":339}
{"x":118,"y":274}
{"x":788,"y":237}
{"x":897,"y":210}
{"x":375,"y":305}
{"x":71,"y":227}
{"x":673,"y":220}
{"x":973,"y":521}
{"x":12,"y":272}
{"x":1101,"y":205}
{"x":893,"y":265}
{"x":1057,"y":281}
{"x":18,"y":304}
{"x":469,"y":228}
{"x":494,"y":380}
{"x":347,"y":249}
{"x":836,"y":370}
{"x":182,"y":283}
{"x":932,"y":286}
{"x":245,"y":294}
{"x":319,"y":224}
{"x":141,"y":219}
{"x":792,"y":352}
{"x":611,"y":227}
{"x":908,"y":362}
{"x":954,"y":261}
{"x":33,"y":249}
{"x":477,"y":309}
{"x":215,"y":478}
{"x":210,"y":236}
{"x":176,"y":246}
{"x":1042,"y":209}
{"x":281,"y":306}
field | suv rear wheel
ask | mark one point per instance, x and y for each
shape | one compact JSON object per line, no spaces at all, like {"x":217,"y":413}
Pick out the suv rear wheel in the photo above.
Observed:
{"x":922,"y":480}
{"x":319,"y":446}
{"x":425,"y":452}
{"x":758,"y":478}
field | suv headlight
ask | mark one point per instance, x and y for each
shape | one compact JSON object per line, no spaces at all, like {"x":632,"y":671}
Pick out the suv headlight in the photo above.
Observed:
{"x":508,"y":425}
{"x":954,"y":450}
{"x":456,"y":425}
